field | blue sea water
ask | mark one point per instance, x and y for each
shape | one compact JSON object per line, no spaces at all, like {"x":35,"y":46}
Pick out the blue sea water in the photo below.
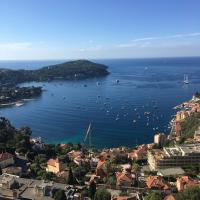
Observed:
{"x":65,"y":109}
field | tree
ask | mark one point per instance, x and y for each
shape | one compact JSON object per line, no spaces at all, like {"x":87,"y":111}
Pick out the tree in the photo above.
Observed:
{"x":153,"y":196}
{"x":102,"y":194}
{"x":60,"y":195}
{"x":92,"y":189}
{"x":70,"y":177}
{"x":191,"y":193}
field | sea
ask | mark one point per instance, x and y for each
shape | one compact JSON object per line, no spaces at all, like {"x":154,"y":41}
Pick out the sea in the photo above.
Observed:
{"x":125,"y":108}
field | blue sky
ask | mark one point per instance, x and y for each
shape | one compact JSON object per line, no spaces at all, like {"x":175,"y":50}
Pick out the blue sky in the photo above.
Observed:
{"x":71,"y":29}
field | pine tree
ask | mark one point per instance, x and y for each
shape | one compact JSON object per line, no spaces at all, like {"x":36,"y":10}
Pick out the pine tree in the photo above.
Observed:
{"x":92,"y":189}
{"x":70,"y":177}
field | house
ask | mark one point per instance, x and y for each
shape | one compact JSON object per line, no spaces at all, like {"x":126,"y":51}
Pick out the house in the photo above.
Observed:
{"x":124,"y":179}
{"x":139,"y":154}
{"x":156,"y":182}
{"x":170,"y":197}
{"x":160,"y":139}
{"x":100,"y":168}
{"x":13,"y":187}
{"x":6,"y":159}
{"x":54,"y":166}
{"x":73,"y":154}
{"x":37,"y":144}
{"x":184,"y":182}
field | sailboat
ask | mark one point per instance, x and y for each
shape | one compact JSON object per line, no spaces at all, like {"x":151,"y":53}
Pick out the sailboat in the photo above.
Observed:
{"x":186,"y":81}
{"x":88,"y":135}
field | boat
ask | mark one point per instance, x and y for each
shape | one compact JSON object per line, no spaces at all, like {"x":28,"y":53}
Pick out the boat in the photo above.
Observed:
{"x":134,"y":121}
{"x":18,"y":104}
{"x":185,"y":80}
{"x":88,"y":135}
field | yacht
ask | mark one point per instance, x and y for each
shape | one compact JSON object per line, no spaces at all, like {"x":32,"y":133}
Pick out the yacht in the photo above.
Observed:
{"x":186,"y":81}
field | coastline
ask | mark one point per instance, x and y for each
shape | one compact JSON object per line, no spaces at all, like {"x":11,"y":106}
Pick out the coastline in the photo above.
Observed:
{"x":17,"y":103}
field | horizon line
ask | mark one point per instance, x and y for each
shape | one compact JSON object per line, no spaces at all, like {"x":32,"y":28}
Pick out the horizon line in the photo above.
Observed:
{"x":111,"y":58}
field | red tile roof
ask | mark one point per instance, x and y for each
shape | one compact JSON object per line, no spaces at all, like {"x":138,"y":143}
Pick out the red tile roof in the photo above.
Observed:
{"x":52,"y":162}
{"x":156,"y":182}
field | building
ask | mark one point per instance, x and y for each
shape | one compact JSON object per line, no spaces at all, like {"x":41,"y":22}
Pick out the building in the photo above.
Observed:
{"x":156,"y":182}
{"x":100,"y":168}
{"x":181,"y":115}
{"x":124,"y":179}
{"x":6,"y":159}
{"x":178,"y":128}
{"x":170,"y":197}
{"x":138,"y":154}
{"x":197,"y":135}
{"x":54,"y":165}
{"x":12,"y":170}
{"x":184,"y":182}
{"x":13,"y":187}
{"x":73,"y":154}
{"x":175,"y":171}
{"x":178,"y":156}
{"x":160,"y":139}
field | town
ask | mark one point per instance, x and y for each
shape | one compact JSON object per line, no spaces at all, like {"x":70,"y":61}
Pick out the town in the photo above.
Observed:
{"x":168,"y":168}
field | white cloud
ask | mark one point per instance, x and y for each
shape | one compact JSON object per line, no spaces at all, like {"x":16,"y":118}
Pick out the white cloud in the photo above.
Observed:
{"x":16,"y":45}
{"x":139,"y":41}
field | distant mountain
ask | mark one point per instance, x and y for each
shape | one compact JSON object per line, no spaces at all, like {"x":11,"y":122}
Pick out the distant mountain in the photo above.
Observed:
{"x":79,"y":69}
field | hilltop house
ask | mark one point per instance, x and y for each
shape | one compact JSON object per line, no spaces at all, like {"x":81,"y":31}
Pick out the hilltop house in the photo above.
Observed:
{"x":54,"y":165}
{"x":184,"y":182}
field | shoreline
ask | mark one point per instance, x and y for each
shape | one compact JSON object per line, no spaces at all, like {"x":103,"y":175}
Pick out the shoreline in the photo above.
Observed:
{"x":17,"y":103}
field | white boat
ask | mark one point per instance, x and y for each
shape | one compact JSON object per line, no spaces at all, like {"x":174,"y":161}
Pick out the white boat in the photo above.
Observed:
{"x":186,"y":81}
{"x":18,"y":104}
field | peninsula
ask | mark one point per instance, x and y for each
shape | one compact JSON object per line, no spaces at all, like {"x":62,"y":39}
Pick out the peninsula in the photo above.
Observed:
{"x":73,"y":70}
{"x":10,"y":93}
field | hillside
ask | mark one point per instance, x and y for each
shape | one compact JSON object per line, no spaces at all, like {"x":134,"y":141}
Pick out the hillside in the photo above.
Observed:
{"x":80,"y":69}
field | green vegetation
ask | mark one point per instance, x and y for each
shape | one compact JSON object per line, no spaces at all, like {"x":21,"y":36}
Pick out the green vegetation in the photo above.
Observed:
{"x":60,"y":195}
{"x":191,"y":193}
{"x":13,"y":94}
{"x":123,"y":193}
{"x":197,"y":94}
{"x":153,"y":196}
{"x":190,"y":125}
{"x":71,"y":179}
{"x":92,"y":189}
{"x":102,"y":194}
{"x":80,"y":69}
{"x":13,"y":139}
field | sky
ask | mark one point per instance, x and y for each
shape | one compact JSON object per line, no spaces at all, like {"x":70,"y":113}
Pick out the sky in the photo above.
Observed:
{"x":84,"y":29}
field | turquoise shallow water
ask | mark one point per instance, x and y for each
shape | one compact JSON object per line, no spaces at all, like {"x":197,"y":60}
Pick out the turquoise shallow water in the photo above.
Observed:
{"x":66,"y":108}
